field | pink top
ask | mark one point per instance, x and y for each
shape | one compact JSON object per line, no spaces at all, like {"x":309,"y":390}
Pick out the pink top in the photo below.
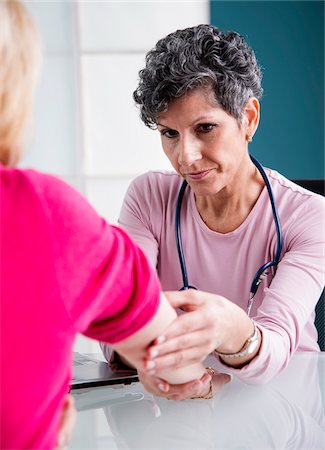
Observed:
{"x":225,"y":264}
{"x":63,"y":271}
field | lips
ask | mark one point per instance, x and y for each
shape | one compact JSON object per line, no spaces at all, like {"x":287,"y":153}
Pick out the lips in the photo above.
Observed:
{"x":197,"y":175}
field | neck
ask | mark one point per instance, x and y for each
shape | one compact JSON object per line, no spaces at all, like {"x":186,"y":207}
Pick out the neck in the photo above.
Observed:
{"x":227,"y":210}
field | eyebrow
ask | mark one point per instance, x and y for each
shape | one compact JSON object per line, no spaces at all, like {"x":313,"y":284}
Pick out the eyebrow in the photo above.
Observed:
{"x":203,"y":119}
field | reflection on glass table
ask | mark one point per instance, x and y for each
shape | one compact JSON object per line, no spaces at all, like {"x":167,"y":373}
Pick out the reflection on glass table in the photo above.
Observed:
{"x":287,"y":413}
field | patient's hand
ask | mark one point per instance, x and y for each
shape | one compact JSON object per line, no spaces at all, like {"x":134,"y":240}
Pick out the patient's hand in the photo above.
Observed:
{"x":67,"y":423}
{"x":192,"y":389}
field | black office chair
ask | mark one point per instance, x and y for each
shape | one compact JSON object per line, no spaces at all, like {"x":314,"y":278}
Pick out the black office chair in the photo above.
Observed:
{"x":317,"y":186}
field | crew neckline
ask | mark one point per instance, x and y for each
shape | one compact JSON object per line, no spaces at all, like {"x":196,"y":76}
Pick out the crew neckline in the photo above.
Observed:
{"x":251,"y":216}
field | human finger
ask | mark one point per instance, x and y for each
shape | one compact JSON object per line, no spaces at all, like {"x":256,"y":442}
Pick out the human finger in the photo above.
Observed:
{"x":206,"y":387}
{"x":161,"y":388}
{"x":218,"y":380}
{"x":186,"y":324}
{"x":67,"y":423}
{"x":153,"y":384}
{"x":202,"y":341}
{"x":189,"y":390}
{"x":175,"y":360}
{"x":186,"y":299}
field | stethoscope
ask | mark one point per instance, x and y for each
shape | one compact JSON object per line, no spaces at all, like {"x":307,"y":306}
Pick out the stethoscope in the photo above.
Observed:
{"x":261,"y":273}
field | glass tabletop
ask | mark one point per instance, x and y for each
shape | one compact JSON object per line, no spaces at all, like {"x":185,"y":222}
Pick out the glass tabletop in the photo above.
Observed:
{"x":287,"y":413}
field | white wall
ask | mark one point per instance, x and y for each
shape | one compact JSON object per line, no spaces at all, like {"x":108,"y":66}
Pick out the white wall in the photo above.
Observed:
{"x":87,"y":129}
{"x":56,"y":147}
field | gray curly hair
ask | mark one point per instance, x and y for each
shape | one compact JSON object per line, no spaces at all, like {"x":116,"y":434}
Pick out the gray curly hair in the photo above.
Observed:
{"x":198,"y":57}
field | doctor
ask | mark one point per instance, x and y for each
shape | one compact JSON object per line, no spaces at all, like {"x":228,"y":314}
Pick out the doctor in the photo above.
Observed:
{"x":201,"y":89}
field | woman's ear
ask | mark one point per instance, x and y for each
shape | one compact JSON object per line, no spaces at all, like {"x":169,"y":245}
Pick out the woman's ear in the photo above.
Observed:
{"x":251,"y":116}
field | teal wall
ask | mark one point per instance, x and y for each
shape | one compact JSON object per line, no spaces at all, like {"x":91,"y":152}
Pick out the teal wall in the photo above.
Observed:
{"x":288,"y":39}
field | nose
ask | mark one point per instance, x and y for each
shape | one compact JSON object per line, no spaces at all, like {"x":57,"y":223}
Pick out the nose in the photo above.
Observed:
{"x":189,"y":151}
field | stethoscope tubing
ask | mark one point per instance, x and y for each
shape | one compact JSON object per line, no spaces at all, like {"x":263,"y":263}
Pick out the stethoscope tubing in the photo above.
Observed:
{"x":179,"y":237}
{"x":276,"y":259}
{"x":258,"y":276}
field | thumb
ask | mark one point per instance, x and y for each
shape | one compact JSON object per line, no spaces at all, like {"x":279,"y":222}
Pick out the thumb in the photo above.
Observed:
{"x":218,"y":380}
{"x":187,"y":300}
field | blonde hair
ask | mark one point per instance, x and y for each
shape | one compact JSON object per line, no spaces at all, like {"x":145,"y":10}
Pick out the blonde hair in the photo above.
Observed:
{"x":20,"y":56}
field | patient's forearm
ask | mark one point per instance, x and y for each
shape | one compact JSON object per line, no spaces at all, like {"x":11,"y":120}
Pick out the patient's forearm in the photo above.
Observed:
{"x":133,"y":348}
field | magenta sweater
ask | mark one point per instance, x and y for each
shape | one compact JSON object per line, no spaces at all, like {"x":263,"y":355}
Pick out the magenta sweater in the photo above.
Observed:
{"x":64,"y":270}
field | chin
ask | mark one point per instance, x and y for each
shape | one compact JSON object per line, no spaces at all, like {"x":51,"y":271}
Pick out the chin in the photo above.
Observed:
{"x":203,"y":189}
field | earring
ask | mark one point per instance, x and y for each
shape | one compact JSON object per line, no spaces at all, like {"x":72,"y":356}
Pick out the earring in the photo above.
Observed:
{"x":249,"y":136}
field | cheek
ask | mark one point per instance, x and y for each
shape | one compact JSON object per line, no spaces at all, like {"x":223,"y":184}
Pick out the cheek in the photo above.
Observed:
{"x":171,"y":154}
{"x":232,"y":143}
{"x":173,"y":159}
{"x":231,"y":136}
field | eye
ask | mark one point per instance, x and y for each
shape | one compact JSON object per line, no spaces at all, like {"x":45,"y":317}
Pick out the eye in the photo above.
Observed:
{"x":168,"y":133}
{"x":205,"y":127}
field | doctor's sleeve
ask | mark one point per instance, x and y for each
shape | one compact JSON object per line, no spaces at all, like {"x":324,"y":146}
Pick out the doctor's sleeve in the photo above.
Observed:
{"x":286,"y":315}
{"x":135,"y":219}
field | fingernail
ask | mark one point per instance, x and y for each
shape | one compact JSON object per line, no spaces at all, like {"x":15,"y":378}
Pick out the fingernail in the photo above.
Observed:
{"x":153,"y":353}
{"x":162,"y":387}
{"x":150,"y":365}
{"x":206,"y":378}
{"x":160,"y":339}
{"x":227,"y":379}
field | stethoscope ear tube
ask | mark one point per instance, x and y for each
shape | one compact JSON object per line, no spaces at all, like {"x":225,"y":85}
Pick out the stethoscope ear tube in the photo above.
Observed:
{"x":274,"y":211}
{"x":179,"y":238}
{"x":259,"y":274}
{"x":262,"y":270}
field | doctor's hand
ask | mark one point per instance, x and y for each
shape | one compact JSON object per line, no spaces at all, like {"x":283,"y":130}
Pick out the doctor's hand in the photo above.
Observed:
{"x":192,"y":389}
{"x":211,"y":323}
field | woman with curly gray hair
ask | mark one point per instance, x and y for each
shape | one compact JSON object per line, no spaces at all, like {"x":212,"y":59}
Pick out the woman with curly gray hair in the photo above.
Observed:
{"x":246,"y":234}
{"x":203,"y":58}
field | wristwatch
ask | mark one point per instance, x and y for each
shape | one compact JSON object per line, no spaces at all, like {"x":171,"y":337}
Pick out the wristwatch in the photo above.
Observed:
{"x":248,"y":348}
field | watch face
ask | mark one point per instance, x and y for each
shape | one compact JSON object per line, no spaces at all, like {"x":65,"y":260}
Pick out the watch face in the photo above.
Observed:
{"x":252,"y":343}
{"x":248,"y":348}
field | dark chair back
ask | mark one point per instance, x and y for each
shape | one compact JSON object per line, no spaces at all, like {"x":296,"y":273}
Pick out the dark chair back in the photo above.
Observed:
{"x":317,"y":186}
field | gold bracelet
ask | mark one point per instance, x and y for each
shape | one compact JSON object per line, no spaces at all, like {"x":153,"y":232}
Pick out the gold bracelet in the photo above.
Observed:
{"x":209,"y":395}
